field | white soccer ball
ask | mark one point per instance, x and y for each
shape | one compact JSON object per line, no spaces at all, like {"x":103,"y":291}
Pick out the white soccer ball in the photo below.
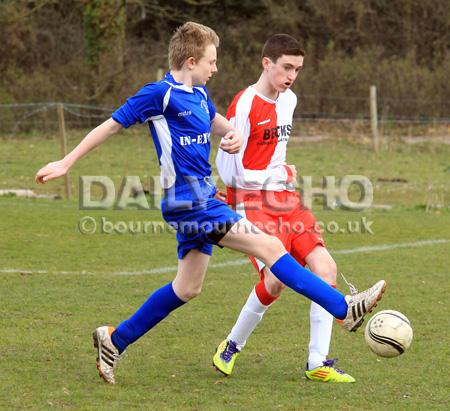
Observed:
{"x":388,"y":333}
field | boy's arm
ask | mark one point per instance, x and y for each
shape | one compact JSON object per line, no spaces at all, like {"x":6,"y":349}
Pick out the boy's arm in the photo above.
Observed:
{"x":93,"y":139}
{"x":232,"y":138}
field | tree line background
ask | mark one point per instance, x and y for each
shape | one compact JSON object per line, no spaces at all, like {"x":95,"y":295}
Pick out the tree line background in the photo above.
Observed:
{"x":101,"y":51}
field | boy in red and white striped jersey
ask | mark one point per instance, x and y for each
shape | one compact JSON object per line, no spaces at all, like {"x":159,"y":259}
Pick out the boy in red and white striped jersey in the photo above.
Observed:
{"x":259,"y":186}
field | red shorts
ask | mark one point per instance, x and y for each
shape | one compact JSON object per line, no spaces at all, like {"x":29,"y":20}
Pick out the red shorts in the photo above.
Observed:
{"x":282,"y":215}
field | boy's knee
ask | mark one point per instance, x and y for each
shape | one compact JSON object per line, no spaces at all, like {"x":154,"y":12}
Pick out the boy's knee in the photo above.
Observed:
{"x":274,"y":246}
{"x":187,"y":293}
{"x":190,"y":293}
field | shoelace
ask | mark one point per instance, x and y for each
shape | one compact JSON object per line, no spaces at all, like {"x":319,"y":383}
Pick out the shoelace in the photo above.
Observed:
{"x":229,"y":351}
{"x":331,"y":363}
{"x":353,"y":289}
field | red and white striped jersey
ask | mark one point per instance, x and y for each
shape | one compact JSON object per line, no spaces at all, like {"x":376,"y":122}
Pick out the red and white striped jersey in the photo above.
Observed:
{"x":266,"y":125}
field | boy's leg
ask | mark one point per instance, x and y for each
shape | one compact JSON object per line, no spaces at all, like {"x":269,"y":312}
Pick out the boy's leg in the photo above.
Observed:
{"x":321,"y":324}
{"x":318,"y":367}
{"x":245,"y":237}
{"x":321,"y":263}
{"x":187,"y":285}
{"x":190,"y":275}
{"x":259,"y":300}
{"x":268,"y":290}
{"x":321,"y":321}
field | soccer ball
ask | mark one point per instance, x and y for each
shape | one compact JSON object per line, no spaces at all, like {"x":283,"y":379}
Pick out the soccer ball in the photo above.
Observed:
{"x":388,"y":333}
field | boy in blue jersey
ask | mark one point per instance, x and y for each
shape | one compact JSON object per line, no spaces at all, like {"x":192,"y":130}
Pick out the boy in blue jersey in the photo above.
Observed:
{"x":181,"y":117}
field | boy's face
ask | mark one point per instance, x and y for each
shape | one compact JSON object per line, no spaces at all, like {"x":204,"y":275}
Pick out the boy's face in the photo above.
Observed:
{"x":204,"y":68}
{"x":283,"y":72}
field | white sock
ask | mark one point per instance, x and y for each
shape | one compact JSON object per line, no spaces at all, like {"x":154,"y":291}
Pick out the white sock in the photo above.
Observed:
{"x":250,"y":316}
{"x":319,"y":343}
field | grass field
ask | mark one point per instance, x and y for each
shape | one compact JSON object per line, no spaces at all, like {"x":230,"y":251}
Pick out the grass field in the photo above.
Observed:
{"x":57,"y":285}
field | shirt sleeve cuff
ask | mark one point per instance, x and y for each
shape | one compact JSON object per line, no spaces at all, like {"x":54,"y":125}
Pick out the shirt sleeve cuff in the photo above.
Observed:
{"x":290,"y":175}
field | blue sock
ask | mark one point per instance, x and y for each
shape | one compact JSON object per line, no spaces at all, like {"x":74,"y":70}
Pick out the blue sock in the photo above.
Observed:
{"x":292,"y":274}
{"x":157,"y":307}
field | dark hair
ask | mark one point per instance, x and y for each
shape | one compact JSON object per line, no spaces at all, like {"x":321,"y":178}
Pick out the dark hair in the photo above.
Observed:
{"x":281,"y":44}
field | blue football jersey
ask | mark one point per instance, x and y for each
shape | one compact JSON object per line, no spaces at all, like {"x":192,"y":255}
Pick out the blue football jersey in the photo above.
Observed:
{"x":179,"y":118}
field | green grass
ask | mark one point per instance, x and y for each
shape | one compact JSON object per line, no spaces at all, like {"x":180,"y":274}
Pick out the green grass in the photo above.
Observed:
{"x":46,"y":354}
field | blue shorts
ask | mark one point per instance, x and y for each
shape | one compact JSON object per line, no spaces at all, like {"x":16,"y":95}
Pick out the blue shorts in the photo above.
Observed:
{"x":202,"y":226}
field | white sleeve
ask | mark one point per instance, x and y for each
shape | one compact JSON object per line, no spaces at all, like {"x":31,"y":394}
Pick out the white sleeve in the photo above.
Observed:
{"x":228,"y":165}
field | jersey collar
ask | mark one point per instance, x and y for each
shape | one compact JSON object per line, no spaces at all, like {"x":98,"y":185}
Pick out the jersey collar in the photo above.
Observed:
{"x":265,"y":98}
{"x":168,"y":78}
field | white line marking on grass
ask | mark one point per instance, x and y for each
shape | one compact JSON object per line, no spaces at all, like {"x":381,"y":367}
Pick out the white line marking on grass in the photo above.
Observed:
{"x":14,"y":270}
{"x":35,"y":203}
{"x":383,"y":247}
{"x":173,"y":268}
{"x":240,"y":261}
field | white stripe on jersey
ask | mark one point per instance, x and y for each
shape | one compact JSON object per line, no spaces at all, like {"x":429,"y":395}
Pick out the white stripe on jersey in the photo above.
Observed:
{"x":166,"y":99}
{"x":168,"y":174}
{"x":230,"y":166}
{"x":202,"y":91}
{"x":284,"y":107}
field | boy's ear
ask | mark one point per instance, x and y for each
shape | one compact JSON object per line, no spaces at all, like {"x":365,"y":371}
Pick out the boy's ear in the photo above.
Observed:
{"x":266,"y":63}
{"x":190,"y":63}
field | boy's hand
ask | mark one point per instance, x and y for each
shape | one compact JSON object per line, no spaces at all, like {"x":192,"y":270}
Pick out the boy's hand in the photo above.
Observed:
{"x":232,"y":142}
{"x":221,"y":196}
{"x":51,"y":171}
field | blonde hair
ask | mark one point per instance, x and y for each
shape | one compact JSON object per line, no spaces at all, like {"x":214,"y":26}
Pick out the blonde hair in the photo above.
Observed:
{"x":190,"y":40}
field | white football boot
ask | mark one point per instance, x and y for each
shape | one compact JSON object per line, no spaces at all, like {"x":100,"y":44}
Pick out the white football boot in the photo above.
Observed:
{"x":107,"y":354}
{"x":362,"y":303}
